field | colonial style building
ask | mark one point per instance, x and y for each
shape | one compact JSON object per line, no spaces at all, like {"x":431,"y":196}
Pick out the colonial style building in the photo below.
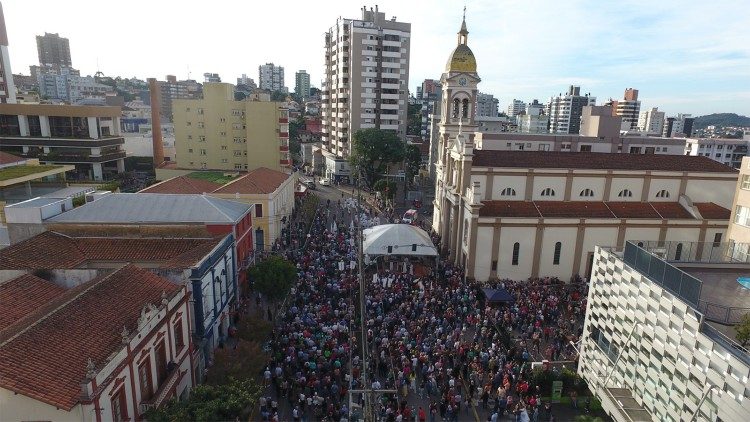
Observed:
{"x":520,"y":214}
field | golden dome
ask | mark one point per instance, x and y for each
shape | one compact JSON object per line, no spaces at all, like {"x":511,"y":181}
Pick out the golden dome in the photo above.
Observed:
{"x":461,"y":60}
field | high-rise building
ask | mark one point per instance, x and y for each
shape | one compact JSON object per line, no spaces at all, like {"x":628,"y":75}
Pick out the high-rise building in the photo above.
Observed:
{"x":7,"y":87}
{"x":208,"y":77}
{"x":219,"y":133}
{"x":628,"y":108}
{"x":366,"y":78}
{"x":682,"y":125}
{"x":651,"y":121}
{"x":564,"y":111}
{"x":271,"y":77}
{"x":247,"y":82}
{"x":171,"y":90}
{"x":533,"y":119}
{"x":302,"y":84}
{"x":54,"y":50}
{"x":427,"y":94}
{"x":487,"y":105}
{"x":516,"y":107}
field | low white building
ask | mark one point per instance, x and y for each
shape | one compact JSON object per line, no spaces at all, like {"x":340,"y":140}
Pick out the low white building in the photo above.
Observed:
{"x":658,"y":341}
{"x":724,"y":151}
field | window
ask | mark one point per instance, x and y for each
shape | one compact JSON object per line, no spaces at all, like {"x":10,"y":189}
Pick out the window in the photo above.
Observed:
{"x":543,"y":147}
{"x":201,"y":139}
{"x":717,"y":239}
{"x":662,"y":194}
{"x":678,"y":252}
{"x":516,"y":250}
{"x":585,"y":148}
{"x":161,"y":363}
{"x":742,"y":216}
{"x":586,"y":193}
{"x":635,"y":150}
{"x":465,"y":109}
{"x":258,"y":210}
{"x":179,"y":340}
{"x":119,"y":406}
{"x":200,"y":125}
{"x":203,"y":152}
{"x":144,"y":379}
{"x":508,"y":192}
{"x":456,"y":106}
{"x":625,"y":193}
{"x":223,"y":147}
{"x":556,"y":256}
{"x":548,"y":192}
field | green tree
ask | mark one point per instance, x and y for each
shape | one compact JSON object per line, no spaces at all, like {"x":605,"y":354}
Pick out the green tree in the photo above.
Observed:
{"x":278,"y":96}
{"x":412,"y":161}
{"x":208,"y":403}
{"x":743,"y":330}
{"x":273,"y":277}
{"x":373,"y":150}
{"x":296,"y":127}
{"x":414,"y":120}
{"x":239,"y":96}
{"x":383,"y":184}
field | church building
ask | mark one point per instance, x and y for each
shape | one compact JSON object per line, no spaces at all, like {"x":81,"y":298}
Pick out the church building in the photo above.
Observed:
{"x":521,"y":214}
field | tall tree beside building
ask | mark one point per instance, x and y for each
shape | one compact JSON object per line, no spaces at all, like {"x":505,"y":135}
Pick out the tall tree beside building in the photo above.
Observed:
{"x":373,"y":150}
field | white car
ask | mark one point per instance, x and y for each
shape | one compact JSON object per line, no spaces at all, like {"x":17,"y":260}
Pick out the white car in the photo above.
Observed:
{"x":324,"y":182}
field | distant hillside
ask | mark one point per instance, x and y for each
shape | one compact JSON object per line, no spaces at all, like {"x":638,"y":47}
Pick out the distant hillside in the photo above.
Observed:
{"x":721,"y":119}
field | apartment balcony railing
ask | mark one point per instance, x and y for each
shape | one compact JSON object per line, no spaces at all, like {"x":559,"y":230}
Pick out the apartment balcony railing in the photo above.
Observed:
{"x":40,"y":141}
{"x":166,"y":389}
{"x":80,"y":158}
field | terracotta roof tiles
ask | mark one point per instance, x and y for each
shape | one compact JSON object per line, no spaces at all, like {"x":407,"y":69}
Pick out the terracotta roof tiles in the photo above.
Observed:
{"x":46,"y":359}
{"x":589,"y":209}
{"x":711,"y":211}
{"x":22,"y":295}
{"x":183,"y":184}
{"x":259,"y":181}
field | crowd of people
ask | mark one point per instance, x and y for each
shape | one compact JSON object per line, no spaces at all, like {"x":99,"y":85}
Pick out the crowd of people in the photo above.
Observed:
{"x":437,"y":350}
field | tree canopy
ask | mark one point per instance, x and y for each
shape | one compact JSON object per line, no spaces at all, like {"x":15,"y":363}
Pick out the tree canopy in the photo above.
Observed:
{"x":412,"y":160}
{"x":414,"y":120}
{"x":273,"y":277}
{"x":373,"y":150}
{"x":743,"y":330}
{"x":211,"y":403}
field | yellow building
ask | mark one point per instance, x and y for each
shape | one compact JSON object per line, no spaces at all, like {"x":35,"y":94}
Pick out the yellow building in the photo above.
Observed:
{"x":739,"y":223}
{"x":219,"y":133}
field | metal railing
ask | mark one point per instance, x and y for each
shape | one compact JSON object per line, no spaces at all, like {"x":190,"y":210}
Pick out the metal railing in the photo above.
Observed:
{"x":698,"y":252}
{"x":722,"y":314}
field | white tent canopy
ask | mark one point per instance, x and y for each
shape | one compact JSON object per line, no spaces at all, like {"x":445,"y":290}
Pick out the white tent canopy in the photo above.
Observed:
{"x":401,"y":238}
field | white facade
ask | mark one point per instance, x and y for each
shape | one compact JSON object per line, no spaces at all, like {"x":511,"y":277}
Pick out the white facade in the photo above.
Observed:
{"x":271,"y":77}
{"x":366,"y":79}
{"x":7,"y":85}
{"x":564,"y":111}
{"x":487,"y":105}
{"x":725,"y":151}
{"x":643,"y":341}
{"x":529,"y":123}
{"x":651,"y":121}
{"x":576,"y":143}
{"x":516,"y":107}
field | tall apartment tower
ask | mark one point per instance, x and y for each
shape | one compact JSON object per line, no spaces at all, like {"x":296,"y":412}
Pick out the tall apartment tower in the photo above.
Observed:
{"x":366,"y":78}
{"x":564,"y":111}
{"x":516,"y":107}
{"x":651,"y":121}
{"x":7,"y":86}
{"x":54,"y":50}
{"x":271,"y":77}
{"x":628,"y":108}
{"x":302,"y":83}
{"x":487,"y":105}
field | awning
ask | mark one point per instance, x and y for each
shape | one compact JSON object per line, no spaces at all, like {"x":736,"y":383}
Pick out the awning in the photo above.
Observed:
{"x":498,"y":295}
{"x":397,"y":239}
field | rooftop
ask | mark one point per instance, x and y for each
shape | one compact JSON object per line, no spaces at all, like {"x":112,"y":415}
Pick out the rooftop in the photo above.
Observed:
{"x":83,"y":323}
{"x":183,"y":184}
{"x":598,"y":209}
{"x":22,"y":295}
{"x":597,"y":161}
{"x":35,"y":253}
{"x":259,"y":181}
{"x":22,"y":172}
{"x":145,"y":208}
{"x":6,"y":158}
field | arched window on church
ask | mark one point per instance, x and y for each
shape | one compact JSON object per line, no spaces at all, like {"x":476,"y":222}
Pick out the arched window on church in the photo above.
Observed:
{"x":456,"y":106}
{"x":465,"y":111}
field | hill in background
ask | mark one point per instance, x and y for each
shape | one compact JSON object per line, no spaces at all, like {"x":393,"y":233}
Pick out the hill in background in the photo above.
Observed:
{"x":721,"y":119}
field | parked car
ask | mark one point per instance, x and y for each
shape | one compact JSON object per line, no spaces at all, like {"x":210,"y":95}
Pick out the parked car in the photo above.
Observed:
{"x":410,"y":217}
{"x":325,"y":182}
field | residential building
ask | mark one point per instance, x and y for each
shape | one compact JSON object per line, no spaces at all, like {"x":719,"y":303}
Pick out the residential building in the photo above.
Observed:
{"x":365,"y":82}
{"x":487,"y":105}
{"x":109,"y":347}
{"x":54,"y":50}
{"x":171,"y":89}
{"x":87,"y":137}
{"x":201,"y":261}
{"x":658,"y":341}
{"x":302,"y":84}
{"x":67,"y":85}
{"x":496,"y":124}
{"x":271,"y":193}
{"x":600,"y":122}
{"x":219,"y":133}
{"x":628,"y":108}
{"x":680,"y":126}
{"x":533,"y":119}
{"x":564,"y":111}
{"x":211,"y":77}
{"x":429,"y":96}
{"x":628,"y":144}
{"x":651,"y":121}
{"x":247,"y":82}
{"x":434,"y":132}
{"x":515,"y":108}
{"x":7,"y":84}
{"x":739,"y":223}
{"x":726,"y":151}
{"x":271,"y":77}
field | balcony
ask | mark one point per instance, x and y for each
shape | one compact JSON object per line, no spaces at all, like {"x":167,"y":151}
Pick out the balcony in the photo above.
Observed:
{"x":283,"y":134}
{"x":28,"y":141}
{"x":284,"y":162}
{"x":54,"y":157}
{"x":284,"y":148}
{"x":166,"y":389}
{"x":283,"y":120}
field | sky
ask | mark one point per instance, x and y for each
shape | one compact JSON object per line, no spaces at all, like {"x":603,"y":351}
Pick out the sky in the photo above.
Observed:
{"x":684,"y":56}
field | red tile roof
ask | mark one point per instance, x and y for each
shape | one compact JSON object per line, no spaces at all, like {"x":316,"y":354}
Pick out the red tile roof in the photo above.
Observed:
{"x":583,"y":209}
{"x":51,"y":250}
{"x":22,"y":295}
{"x":711,"y":211}
{"x":259,"y":181}
{"x":597,"y":161}
{"x":183,"y":184}
{"x":6,"y":158}
{"x":46,"y":359}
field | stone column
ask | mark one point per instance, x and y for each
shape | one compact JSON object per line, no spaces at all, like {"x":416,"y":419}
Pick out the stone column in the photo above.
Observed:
{"x":97,"y":167}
